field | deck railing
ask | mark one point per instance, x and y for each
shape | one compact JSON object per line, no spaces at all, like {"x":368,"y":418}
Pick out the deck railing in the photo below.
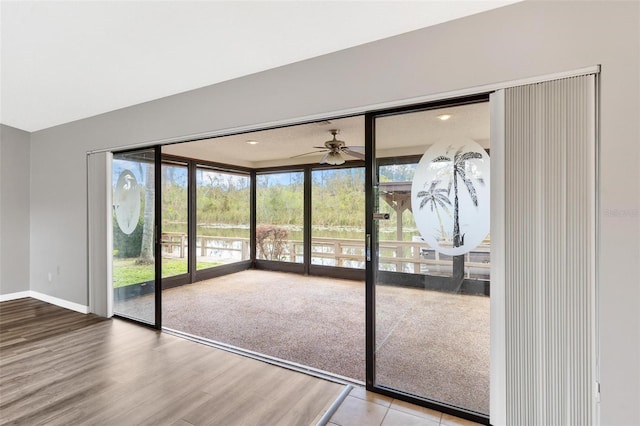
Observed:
{"x":400,"y":256}
{"x":176,"y":244}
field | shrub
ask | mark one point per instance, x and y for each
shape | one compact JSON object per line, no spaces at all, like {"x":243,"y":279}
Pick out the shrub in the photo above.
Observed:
{"x":124,"y":245}
{"x":271,"y":242}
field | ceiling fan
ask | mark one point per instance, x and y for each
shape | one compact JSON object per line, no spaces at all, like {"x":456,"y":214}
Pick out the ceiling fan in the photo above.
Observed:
{"x":335,"y":150}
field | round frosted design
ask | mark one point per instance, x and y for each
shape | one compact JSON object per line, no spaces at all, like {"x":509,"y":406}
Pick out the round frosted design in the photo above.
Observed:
{"x":450,"y":196}
{"x":126,"y":201}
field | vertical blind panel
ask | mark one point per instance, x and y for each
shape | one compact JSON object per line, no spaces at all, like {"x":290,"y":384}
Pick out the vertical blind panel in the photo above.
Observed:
{"x":549,"y":236}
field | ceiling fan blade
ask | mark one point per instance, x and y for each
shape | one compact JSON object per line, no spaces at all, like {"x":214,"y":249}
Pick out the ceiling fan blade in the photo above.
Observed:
{"x":309,"y":153}
{"x":353,"y":153}
{"x":324,"y":159}
{"x":356,"y":148}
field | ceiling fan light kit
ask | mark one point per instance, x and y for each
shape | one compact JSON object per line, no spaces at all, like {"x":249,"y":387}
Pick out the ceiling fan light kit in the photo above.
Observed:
{"x":334,"y":158}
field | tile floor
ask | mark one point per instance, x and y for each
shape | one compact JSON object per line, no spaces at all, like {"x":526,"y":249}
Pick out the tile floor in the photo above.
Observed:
{"x":362,"y":408}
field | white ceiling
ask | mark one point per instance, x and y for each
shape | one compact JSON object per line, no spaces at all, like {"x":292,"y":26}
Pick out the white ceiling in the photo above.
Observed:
{"x":396,"y":135}
{"x":66,"y":60}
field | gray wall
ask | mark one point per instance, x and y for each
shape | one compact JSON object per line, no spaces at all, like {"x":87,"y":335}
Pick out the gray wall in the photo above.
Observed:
{"x":14,"y":210}
{"x":523,"y":40}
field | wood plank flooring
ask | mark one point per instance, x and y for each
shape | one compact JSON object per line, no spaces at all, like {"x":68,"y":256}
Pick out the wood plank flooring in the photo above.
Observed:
{"x":63,"y":367}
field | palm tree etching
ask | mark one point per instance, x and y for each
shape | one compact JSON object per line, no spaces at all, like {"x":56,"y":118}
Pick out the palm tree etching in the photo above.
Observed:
{"x":436,"y":198}
{"x":458,"y":163}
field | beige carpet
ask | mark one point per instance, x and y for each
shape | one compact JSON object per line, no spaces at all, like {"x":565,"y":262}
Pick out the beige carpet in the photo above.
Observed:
{"x":428,"y":343}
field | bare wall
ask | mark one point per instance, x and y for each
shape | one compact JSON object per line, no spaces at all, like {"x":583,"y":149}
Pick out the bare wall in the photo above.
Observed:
{"x":14,"y":210}
{"x":518,"y":41}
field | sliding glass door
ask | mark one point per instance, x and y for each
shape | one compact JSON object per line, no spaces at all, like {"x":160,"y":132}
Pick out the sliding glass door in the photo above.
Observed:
{"x":428,"y":282}
{"x":135,"y":212}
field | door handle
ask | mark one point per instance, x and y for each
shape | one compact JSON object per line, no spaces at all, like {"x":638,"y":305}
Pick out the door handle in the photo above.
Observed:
{"x":367,"y":249}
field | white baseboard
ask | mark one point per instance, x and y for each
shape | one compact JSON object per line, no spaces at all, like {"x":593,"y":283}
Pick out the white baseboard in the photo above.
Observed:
{"x":46,"y":298}
{"x":14,"y":296}
{"x":60,"y":302}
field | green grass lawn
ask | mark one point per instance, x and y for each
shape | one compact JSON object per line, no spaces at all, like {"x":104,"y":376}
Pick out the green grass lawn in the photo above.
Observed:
{"x":126,"y":272}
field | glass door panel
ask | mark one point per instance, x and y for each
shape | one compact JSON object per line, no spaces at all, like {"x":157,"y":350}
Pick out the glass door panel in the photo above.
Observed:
{"x":280,"y":216}
{"x":223,"y":201}
{"x":431,"y":276}
{"x":337,"y":217}
{"x":134,"y":235}
{"x":175,"y":216}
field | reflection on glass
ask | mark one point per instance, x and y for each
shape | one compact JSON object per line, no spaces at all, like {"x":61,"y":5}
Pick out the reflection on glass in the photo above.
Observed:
{"x":432,"y":309}
{"x":279,"y":216}
{"x":222,"y":217}
{"x":338,"y":217}
{"x":133,"y":235}
{"x":174,"y":220}
{"x":398,"y":234}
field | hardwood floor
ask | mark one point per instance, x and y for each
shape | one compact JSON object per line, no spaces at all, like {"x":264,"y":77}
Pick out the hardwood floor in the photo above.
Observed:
{"x":63,"y":367}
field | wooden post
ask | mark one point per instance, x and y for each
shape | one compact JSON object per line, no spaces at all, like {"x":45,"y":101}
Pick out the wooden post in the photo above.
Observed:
{"x":245,"y":249}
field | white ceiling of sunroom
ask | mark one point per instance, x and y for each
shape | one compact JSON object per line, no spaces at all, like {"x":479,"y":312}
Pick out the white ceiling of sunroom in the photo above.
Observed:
{"x":396,"y":135}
